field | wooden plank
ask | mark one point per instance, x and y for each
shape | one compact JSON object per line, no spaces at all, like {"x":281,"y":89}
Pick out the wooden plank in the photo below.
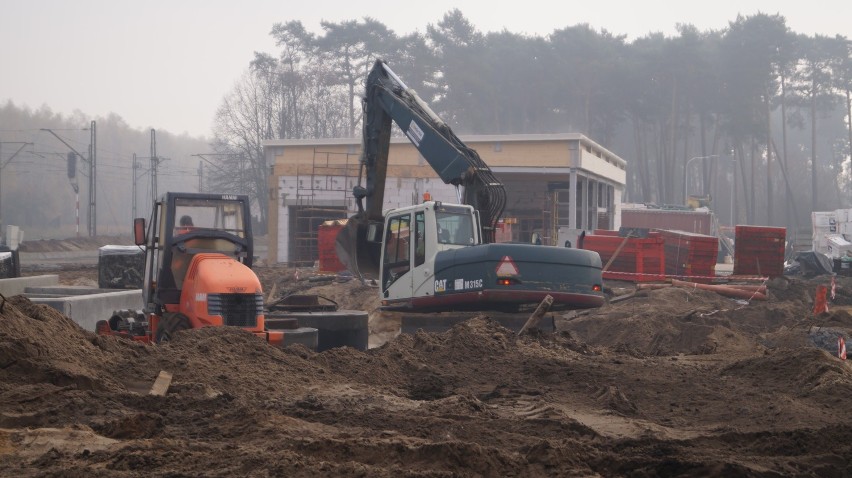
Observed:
{"x":161,"y":384}
{"x":536,"y":316}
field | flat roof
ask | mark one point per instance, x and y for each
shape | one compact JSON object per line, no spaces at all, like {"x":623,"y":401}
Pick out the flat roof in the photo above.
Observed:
{"x":485,"y":138}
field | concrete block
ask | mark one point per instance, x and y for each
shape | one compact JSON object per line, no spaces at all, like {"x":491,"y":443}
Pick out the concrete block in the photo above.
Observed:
{"x":66,"y":256}
{"x":18,"y":285}
{"x":66,"y":290}
{"x":87,"y":310}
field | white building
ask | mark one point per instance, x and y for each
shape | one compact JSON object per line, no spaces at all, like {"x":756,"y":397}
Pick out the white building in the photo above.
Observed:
{"x":553,"y":182}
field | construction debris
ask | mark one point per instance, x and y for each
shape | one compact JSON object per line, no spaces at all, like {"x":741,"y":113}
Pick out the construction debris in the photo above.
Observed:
{"x":161,"y":384}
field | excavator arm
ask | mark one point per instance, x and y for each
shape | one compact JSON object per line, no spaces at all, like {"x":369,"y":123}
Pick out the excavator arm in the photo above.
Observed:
{"x":387,"y":99}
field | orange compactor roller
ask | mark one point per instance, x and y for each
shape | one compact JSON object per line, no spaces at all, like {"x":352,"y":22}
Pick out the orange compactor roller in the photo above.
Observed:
{"x":198,"y":258}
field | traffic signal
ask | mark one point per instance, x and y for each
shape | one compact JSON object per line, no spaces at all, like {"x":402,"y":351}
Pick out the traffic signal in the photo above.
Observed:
{"x":72,"y":165}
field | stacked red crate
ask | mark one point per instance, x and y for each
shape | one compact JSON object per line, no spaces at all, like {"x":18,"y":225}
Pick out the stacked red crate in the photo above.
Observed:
{"x":639,"y":260}
{"x":326,"y":238}
{"x":690,"y":256}
{"x":759,"y":250}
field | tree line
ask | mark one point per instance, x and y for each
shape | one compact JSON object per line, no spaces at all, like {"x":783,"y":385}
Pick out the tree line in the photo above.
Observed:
{"x":754,"y":102}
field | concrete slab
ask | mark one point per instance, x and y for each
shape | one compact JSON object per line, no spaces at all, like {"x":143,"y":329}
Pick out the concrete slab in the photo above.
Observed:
{"x":88,"y":309}
{"x":68,"y":290}
{"x":18,"y":285}
{"x":63,"y":257}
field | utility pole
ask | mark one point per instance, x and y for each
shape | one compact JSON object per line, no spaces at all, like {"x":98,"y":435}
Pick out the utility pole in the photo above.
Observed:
{"x":153,"y":166}
{"x":3,"y":165}
{"x":138,"y":173}
{"x":200,"y":175}
{"x":218,"y":168}
{"x":133,"y":202}
{"x":92,"y":159}
{"x":155,"y":161}
{"x":72,"y":177}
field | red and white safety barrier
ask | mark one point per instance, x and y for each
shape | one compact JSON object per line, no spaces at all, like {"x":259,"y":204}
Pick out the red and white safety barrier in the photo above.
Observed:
{"x":648,"y":277}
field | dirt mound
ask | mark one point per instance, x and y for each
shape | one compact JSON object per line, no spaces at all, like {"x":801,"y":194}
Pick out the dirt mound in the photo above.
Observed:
{"x":677,"y":383}
{"x":39,"y":345}
{"x":693,"y":321}
{"x":663,"y":322}
{"x":798,"y":372}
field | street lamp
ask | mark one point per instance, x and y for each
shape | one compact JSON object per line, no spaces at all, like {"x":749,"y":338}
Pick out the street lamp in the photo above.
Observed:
{"x":733,"y":189}
{"x":686,"y":168}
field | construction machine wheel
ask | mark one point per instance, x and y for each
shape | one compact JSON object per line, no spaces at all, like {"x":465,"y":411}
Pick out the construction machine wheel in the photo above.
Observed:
{"x":170,"y":324}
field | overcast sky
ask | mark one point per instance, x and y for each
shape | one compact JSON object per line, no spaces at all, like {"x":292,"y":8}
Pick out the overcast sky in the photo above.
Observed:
{"x":166,"y":64}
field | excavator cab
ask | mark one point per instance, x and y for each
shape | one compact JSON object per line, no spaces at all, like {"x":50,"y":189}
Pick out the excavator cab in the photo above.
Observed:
{"x":414,"y":236}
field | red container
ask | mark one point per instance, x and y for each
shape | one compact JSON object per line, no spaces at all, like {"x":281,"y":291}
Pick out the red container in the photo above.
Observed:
{"x":690,"y":256}
{"x":326,"y":238}
{"x":759,"y":250}
{"x":676,"y":220}
{"x":639,"y":260}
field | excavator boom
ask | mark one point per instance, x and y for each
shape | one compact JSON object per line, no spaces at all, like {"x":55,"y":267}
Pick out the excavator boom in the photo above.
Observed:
{"x":387,"y":99}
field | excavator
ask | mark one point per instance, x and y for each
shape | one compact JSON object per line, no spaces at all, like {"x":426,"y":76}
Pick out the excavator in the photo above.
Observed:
{"x":198,"y":258}
{"x":436,"y":256}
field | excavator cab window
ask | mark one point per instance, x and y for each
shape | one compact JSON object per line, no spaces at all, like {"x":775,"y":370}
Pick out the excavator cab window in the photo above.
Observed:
{"x":397,"y":249}
{"x":455,"y":226}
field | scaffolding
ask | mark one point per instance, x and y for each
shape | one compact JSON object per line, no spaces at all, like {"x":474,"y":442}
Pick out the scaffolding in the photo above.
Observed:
{"x":323,"y":193}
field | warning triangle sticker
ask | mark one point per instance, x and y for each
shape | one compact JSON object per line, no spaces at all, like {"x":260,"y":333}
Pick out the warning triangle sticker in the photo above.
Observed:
{"x":507,"y":267}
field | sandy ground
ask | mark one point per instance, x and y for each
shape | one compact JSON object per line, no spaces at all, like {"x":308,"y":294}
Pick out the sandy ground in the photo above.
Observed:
{"x":674,"y":382}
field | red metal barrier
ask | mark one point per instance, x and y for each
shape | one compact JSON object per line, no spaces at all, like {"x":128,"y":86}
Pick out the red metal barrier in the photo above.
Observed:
{"x":759,"y":250}
{"x":640,"y":260}
{"x":690,"y":254}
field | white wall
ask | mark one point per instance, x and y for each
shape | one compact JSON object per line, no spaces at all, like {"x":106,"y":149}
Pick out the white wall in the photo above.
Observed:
{"x":337,"y":191}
